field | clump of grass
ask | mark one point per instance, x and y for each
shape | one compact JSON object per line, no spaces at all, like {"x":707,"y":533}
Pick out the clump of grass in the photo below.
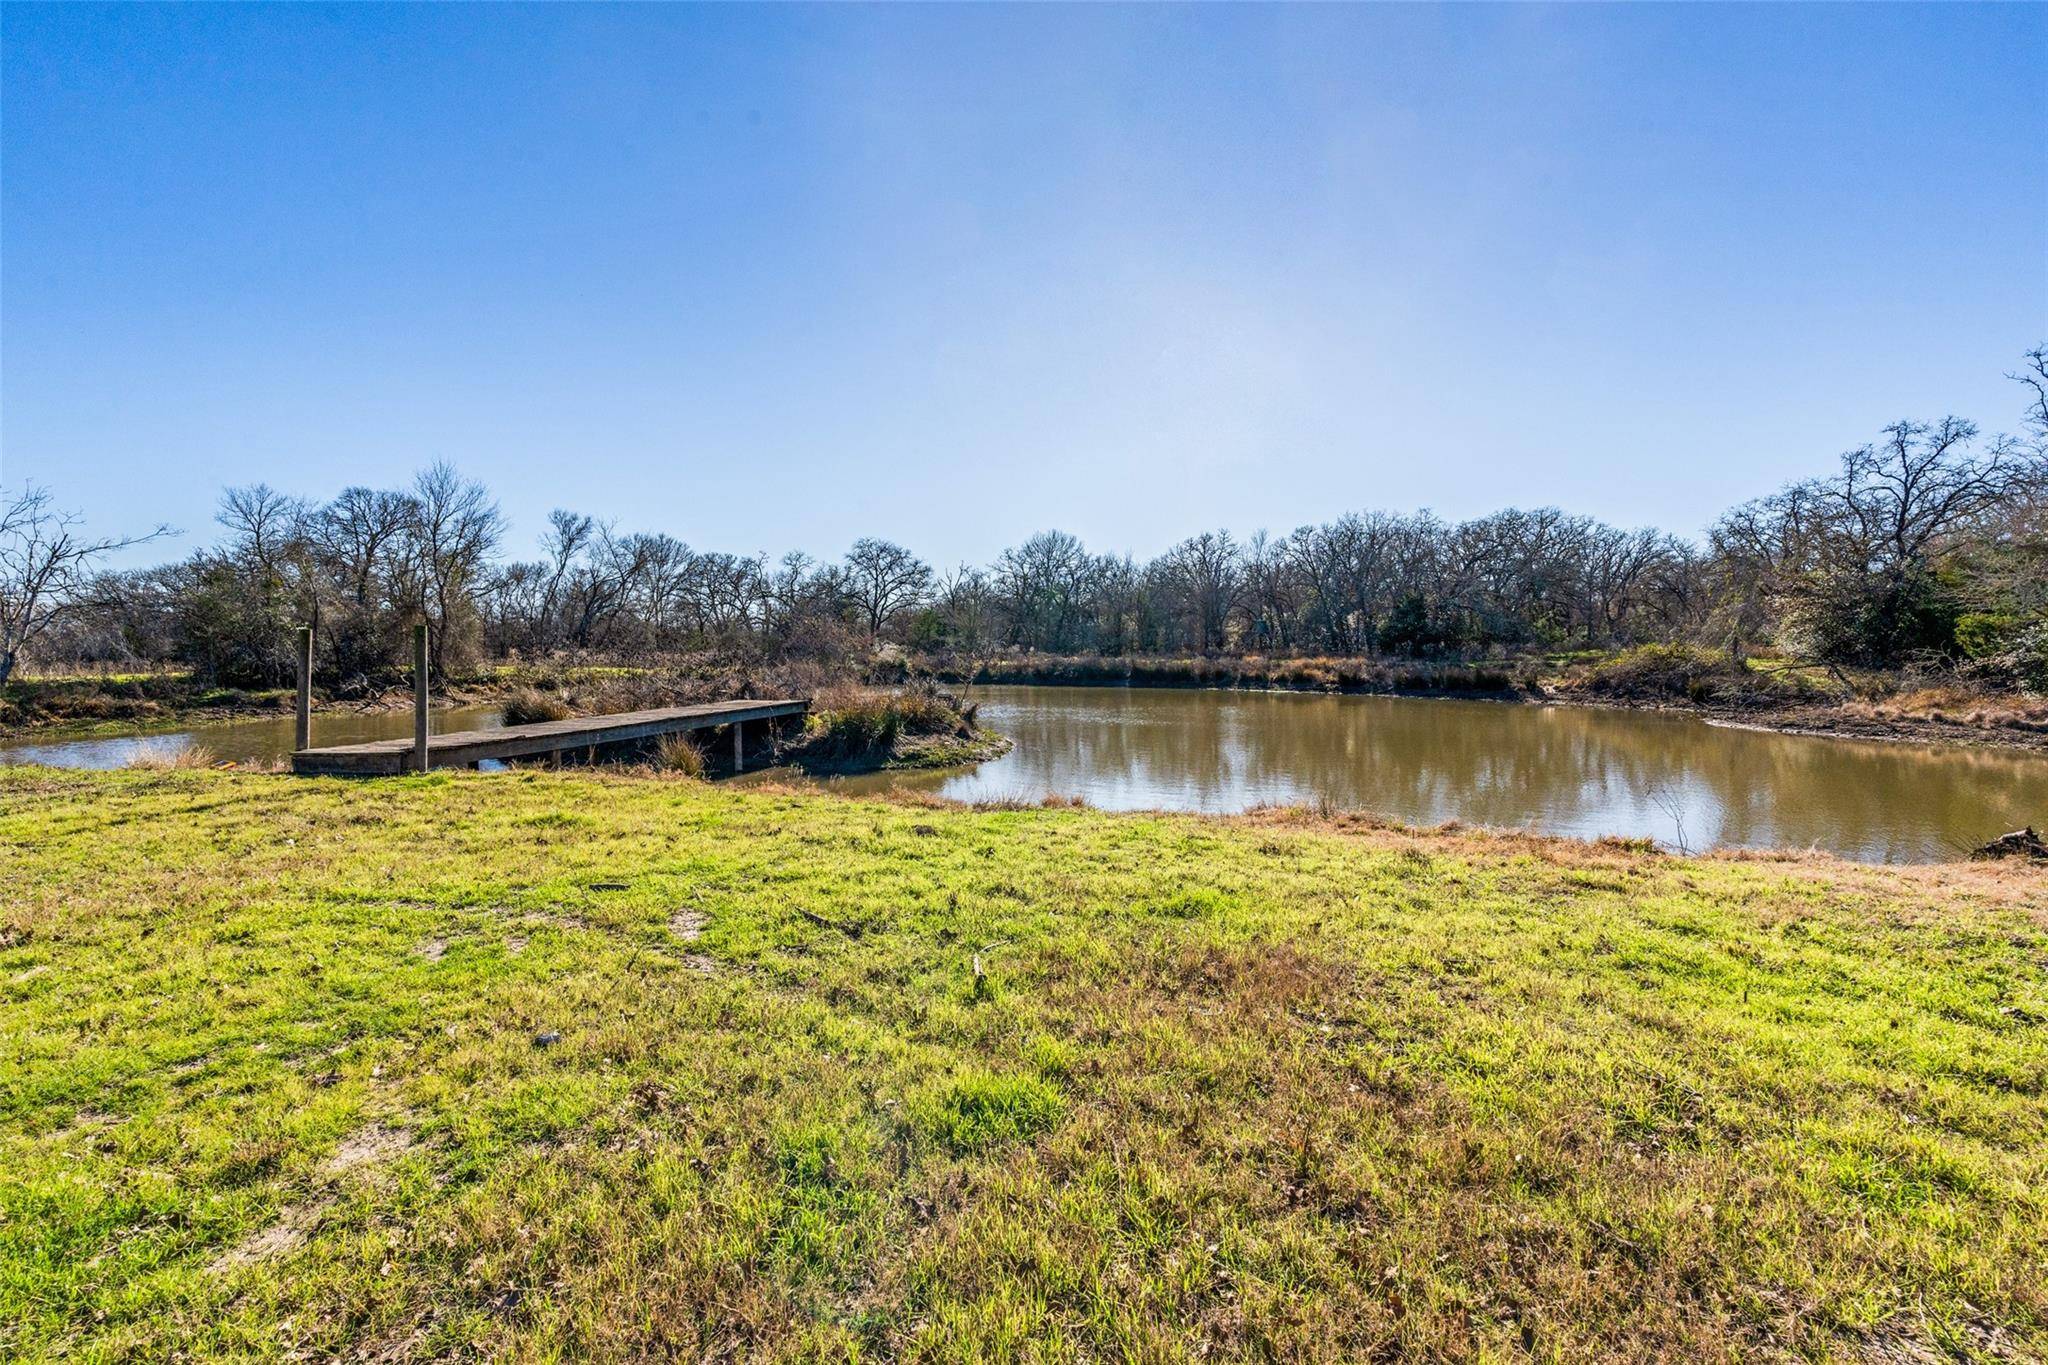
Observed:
{"x":850,"y":725}
{"x":168,"y":759}
{"x":530,"y":706}
{"x":981,"y":1110}
{"x":855,"y":722}
{"x":679,"y":754}
{"x":1957,"y":702}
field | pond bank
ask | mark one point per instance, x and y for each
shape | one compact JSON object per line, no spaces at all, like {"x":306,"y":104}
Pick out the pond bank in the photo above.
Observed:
{"x":1944,"y":715}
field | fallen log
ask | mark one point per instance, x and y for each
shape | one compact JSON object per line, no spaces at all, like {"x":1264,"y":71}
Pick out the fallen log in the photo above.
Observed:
{"x":2021,"y":843}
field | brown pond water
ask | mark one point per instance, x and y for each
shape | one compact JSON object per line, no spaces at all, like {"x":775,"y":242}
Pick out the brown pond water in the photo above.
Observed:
{"x":256,"y":739}
{"x":1563,"y":770}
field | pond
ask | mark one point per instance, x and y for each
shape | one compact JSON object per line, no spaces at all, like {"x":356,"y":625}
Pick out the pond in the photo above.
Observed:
{"x":1562,"y":770}
{"x":250,"y":740}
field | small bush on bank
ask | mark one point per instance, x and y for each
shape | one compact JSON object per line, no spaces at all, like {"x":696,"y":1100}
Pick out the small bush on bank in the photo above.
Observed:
{"x":1702,"y":676}
{"x":2015,"y":658}
{"x":1692,"y":672}
{"x":852,"y":724}
{"x":529,"y":706}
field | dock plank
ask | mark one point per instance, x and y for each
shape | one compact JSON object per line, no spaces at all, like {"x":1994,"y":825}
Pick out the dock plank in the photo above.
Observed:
{"x":463,"y":747}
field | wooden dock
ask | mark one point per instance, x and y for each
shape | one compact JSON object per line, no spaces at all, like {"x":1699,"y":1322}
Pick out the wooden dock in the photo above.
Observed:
{"x":466,"y":748}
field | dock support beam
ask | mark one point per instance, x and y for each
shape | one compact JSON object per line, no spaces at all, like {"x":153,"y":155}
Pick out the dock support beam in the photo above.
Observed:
{"x":302,"y":729}
{"x":739,"y":746}
{"x":421,"y":760}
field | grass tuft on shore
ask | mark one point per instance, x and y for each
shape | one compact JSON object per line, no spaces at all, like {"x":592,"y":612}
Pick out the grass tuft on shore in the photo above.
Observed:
{"x":854,"y":728}
{"x":528,"y":706}
{"x":590,"y":1066}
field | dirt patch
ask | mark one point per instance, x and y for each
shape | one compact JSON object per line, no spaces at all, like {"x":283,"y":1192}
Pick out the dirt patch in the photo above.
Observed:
{"x":687,"y":925}
{"x":697,"y":962}
{"x":433,"y":950}
{"x":85,"y":1123}
{"x":375,"y":1144}
{"x":281,"y":1238}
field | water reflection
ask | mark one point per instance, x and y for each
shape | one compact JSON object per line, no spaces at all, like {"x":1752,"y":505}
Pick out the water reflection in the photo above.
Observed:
{"x":1561,"y":769}
{"x":256,"y":739}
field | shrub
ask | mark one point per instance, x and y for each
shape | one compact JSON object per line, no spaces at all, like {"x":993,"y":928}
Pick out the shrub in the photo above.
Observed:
{"x":1982,"y":634}
{"x":1689,"y":671}
{"x":853,"y":722}
{"x":2024,"y":660}
{"x":530,"y":707}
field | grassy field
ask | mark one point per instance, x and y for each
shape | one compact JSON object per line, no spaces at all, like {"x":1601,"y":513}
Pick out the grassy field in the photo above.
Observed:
{"x":574,"y":1066}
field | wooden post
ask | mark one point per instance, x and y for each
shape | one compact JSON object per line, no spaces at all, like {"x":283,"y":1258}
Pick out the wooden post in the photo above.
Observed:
{"x":739,"y":747}
{"x":302,"y":731}
{"x":420,"y":757}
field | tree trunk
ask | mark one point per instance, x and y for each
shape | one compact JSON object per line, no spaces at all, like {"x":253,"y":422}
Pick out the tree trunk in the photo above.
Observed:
{"x":6,"y":666}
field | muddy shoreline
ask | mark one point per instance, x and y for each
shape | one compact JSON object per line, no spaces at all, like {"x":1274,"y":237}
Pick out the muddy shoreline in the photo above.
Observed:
{"x":1814,"y":720}
{"x":1811,"y":720}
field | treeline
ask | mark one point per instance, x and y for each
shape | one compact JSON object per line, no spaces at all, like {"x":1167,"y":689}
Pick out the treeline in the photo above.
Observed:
{"x":1928,"y":546}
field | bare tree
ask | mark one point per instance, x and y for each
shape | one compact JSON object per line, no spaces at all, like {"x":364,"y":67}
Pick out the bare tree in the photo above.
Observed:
{"x":45,"y":568}
{"x":2035,"y":376}
{"x":1205,"y":573}
{"x":568,"y":535}
{"x":1272,"y":590}
{"x":666,"y":562}
{"x":1043,"y":586}
{"x":884,"y":579}
{"x":455,"y":528}
{"x":268,"y":528}
{"x":356,"y":534}
{"x":966,"y":604}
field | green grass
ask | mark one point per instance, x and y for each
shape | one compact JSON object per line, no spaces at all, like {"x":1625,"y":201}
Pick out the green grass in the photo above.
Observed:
{"x":1272,"y":1088}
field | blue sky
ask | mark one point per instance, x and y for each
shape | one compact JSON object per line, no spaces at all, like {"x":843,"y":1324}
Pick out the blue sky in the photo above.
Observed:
{"x":778,"y":277}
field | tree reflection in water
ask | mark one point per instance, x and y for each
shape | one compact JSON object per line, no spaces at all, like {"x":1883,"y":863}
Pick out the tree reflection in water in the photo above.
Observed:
{"x":1565,"y":770}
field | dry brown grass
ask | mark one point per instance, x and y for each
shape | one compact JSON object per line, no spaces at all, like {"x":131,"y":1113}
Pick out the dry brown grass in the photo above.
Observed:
{"x":166,"y":759}
{"x":528,"y":706}
{"x":1957,"y":704}
{"x":1257,"y":671}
